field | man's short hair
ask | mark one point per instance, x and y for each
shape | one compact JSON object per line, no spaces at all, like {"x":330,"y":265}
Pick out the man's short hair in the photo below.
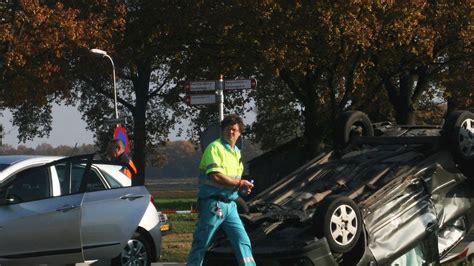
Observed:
{"x":232,"y":120}
{"x":114,"y":145}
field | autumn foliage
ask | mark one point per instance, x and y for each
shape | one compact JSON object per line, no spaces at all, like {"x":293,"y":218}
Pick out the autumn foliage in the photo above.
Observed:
{"x":313,"y":60}
{"x":43,"y":41}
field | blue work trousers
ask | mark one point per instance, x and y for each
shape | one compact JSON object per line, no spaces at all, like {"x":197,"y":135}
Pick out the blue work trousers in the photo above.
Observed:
{"x":207,"y":224}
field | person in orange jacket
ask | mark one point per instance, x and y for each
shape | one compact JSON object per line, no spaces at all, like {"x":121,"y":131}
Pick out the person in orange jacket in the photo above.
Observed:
{"x":116,"y":150}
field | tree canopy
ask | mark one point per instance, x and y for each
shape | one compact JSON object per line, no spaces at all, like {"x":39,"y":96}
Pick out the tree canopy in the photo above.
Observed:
{"x":313,"y":60}
{"x":48,"y":61}
{"x":43,"y":41}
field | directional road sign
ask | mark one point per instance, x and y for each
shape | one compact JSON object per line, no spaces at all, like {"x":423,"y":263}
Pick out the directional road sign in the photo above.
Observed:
{"x":196,"y":99}
{"x":240,"y":84}
{"x":209,"y":85}
{"x":113,"y":121}
{"x":200,"y":86}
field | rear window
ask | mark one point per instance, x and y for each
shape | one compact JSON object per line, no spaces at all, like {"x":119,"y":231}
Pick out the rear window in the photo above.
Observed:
{"x":3,"y":166}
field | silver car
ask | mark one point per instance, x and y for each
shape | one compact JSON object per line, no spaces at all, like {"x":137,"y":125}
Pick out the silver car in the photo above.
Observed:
{"x":68,"y":210}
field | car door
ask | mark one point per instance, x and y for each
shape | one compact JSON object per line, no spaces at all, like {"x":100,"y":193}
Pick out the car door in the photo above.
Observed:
{"x":36,"y":226}
{"x":109,"y":216}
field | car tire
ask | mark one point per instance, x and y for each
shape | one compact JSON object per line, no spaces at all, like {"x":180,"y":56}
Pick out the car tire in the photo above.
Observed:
{"x":338,"y":219}
{"x":242,"y":206}
{"x":458,"y":130}
{"x":137,"y":251}
{"x":351,"y":124}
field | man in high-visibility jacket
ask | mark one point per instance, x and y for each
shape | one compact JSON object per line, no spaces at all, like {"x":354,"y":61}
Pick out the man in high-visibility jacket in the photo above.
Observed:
{"x":116,"y":150}
{"x":220,"y":179}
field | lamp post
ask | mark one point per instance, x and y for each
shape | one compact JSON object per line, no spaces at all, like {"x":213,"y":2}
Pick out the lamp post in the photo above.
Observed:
{"x":104,"y":54}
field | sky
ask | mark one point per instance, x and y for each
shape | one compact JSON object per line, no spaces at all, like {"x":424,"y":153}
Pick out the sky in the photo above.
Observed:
{"x":68,"y":128}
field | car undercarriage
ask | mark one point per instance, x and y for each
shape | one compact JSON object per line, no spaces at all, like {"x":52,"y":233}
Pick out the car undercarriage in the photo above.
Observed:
{"x":387,"y":189}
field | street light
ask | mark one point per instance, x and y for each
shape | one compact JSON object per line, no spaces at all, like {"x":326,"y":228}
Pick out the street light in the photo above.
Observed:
{"x":104,"y":54}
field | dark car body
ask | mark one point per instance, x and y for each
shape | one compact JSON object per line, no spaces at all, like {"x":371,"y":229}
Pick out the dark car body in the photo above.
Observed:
{"x":403,"y":196}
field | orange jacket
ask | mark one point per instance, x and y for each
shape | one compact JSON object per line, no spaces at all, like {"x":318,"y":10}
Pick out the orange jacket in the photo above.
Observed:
{"x":126,"y":170}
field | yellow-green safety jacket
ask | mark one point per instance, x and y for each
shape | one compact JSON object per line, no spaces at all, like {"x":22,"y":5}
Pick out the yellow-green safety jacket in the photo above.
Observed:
{"x":219,"y":157}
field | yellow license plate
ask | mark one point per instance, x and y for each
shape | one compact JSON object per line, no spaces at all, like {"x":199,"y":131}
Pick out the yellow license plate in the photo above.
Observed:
{"x":165,"y":227}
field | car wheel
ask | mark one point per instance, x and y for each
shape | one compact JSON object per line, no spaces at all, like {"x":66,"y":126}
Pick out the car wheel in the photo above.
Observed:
{"x":137,"y":251}
{"x":349,"y":125}
{"x":339,"y":220}
{"x":242,"y":206}
{"x":458,"y":129}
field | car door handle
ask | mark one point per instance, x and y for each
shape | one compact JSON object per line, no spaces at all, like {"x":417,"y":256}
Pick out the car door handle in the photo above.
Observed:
{"x":66,"y":208}
{"x":131,"y":197}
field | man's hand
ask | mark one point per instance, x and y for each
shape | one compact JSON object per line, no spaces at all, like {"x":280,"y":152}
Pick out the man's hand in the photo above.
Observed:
{"x":224,"y":180}
{"x":246,"y":186}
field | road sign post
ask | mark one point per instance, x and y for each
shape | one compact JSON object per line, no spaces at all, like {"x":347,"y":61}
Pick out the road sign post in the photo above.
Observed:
{"x":198,"y":91}
{"x":220,"y":96}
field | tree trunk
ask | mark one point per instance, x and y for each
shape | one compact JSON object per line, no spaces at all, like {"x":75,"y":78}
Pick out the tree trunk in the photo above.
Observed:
{"x":305,"y":91}
{"x":401,"y":98}
{"x":405,"y":113}
{"x":141,"y":87}
{"x":312,"y":132}
{"x":312,"y":129}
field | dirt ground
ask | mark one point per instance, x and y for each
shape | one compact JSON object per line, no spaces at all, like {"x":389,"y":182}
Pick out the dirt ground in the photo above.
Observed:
{"x":173,"y":188}
{"x":175,"y":247}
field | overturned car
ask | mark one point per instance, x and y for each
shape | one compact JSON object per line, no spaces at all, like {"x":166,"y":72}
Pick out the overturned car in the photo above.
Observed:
{"x":388,"y":194}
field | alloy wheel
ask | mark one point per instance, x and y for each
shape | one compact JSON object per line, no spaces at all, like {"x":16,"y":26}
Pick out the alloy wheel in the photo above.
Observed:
{"x":134,"y":254}
{"x":343,"y":225}
{"x":466,"y":137}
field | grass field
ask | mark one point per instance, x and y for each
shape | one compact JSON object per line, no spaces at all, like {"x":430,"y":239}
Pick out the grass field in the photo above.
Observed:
{"x":176,"y":204}
{"x":173,"y":194}
{"x":176,"y":245}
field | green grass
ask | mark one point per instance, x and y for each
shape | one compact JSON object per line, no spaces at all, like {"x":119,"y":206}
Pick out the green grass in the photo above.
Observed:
{"x":176,"y":204}
{"x":183,"y":223}
{"x":175,"y":246}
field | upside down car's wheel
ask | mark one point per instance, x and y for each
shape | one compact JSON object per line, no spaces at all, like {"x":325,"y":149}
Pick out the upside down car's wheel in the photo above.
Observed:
{"x":137,"y":251}
{"x":458,"y":129}
{"x":339,"y":220}
{"x":351,"y":124}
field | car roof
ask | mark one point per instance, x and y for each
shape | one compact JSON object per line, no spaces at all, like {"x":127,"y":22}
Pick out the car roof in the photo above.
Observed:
{"x":13,"y":159}
{"x":12,"y":163}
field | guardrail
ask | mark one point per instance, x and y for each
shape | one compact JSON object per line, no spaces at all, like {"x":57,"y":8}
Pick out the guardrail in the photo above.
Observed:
{"x":179,"y":212}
